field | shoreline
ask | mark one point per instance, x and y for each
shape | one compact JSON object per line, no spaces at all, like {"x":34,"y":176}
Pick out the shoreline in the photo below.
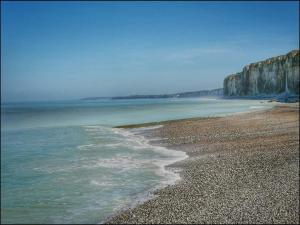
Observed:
{"x":151,"y":193}
{"x":173,"y":142}
{"x":164,"y":122}
{"x":172,"y":177}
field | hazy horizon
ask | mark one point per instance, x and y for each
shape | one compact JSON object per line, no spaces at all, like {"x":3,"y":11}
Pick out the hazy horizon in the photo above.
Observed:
{"x":73,"y":50}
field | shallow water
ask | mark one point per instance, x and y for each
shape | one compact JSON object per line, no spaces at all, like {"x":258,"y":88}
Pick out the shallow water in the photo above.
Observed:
{"x":62,"y":162}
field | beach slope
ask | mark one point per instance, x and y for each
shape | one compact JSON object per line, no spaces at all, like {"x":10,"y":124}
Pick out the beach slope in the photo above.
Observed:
{"x":241,"y":169}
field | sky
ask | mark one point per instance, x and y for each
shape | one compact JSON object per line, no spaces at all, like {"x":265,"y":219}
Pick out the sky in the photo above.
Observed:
{"x":70,"y":50}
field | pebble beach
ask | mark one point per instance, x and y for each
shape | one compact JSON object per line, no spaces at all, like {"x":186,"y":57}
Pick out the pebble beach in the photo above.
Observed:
{"x":241,"y":169}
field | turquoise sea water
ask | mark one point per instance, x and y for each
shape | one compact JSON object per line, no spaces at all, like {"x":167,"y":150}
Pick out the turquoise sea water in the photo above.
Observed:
{"x":63,"y":162}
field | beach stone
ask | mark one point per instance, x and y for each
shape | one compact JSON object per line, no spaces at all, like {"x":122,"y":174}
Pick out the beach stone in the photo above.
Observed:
{"x":241,"y":169}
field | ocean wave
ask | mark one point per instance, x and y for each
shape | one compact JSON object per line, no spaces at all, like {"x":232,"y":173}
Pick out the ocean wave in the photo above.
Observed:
{"x":132,"y":140}
{"x":115,"y":162}
{"x":140,"y":142}
{"x":256,"y":107}
{"x":102,"y":183}
{"x":96,"y":128}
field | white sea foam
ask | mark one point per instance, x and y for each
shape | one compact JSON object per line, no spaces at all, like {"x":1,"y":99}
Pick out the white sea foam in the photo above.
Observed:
{"x":130,"y":156}
{"x":140,"y":142}
{"x":96,"y":128}
{"x":126,"y":161}
{"x":121,"y":162}
{"x":256,"y":107}
{"x":157,"y":139}
{"x":102,"y":183}
{"x":170,"y":177}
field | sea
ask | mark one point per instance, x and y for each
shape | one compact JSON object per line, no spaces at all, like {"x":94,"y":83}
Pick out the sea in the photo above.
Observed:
{"x":64,"y":162}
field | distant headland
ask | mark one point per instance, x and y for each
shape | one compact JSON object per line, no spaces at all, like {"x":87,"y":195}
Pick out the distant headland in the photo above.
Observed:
{"x":202,"y":93}
{"x":276,"y":77}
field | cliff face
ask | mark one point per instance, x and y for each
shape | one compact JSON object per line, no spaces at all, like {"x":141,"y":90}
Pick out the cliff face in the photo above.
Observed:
{"x":267,"y":77}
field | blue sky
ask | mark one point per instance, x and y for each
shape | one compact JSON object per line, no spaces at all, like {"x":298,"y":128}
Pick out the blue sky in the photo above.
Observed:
{"x":69,"y":50}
